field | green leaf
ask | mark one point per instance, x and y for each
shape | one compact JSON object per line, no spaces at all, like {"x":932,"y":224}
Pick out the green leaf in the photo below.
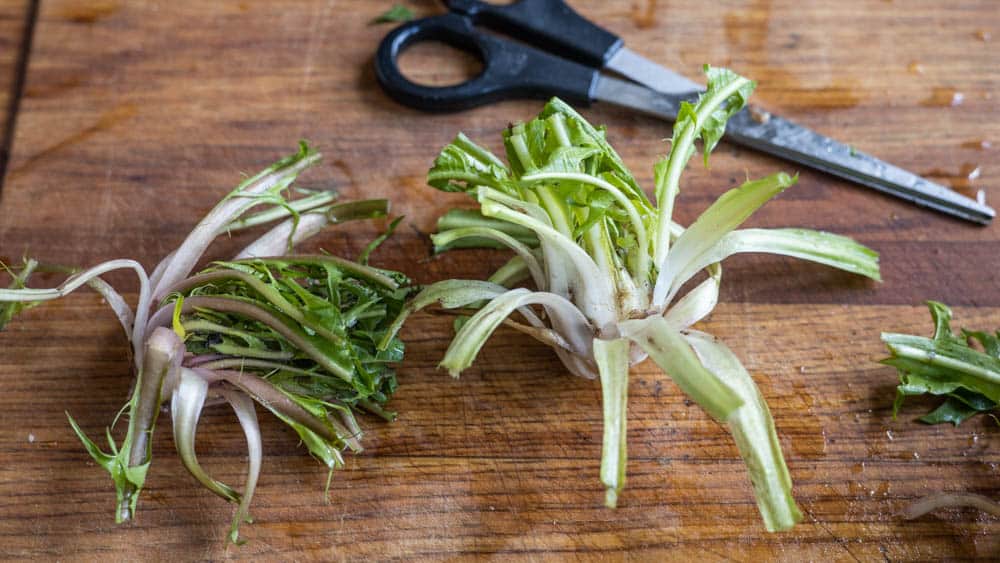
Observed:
{"x":581,"y":133}
{"x":722,"y":80}
{"x":326,"y":451}
{"x":327,"y":315}
{"x":128,"y":480}
{"x":397,"y":13}
{"x":726,"y":94}
{"x":463,"y":166}
{"x":598,"y":205}
{"x":951,"y":410}
{"x":989,"y":342}
{"x":945,"y":360}
{"x":941,"y":315}
{"x":10,"y":309}
{"x":371,"y":246}
{"x":973,"y":400}
{"x":571,"y":159}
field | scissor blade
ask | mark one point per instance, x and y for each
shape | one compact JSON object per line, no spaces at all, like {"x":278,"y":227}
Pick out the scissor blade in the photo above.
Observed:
{"x":780,"y":137}
{"x":777,"y":136}
{"x":639,"y":69}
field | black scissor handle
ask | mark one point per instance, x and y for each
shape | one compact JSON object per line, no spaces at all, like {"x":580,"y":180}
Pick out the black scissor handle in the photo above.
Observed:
{"x":510,"y":70}
{"x":549,"y":24}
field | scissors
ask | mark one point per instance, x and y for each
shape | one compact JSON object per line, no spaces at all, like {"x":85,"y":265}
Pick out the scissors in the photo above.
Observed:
{"x":560,"y":53}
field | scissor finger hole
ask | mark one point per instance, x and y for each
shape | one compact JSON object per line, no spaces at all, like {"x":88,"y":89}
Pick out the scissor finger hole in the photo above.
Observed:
{"x":437,"y":64}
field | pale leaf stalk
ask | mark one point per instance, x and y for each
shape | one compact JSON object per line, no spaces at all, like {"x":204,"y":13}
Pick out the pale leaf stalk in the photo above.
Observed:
{"x":727,"y":213}
{"x":922,"y":350}
{"x":596,"y":296}
{"x":612,"y":358}
{"x":76,"y":281}
{"x":190,"y":251}
{"x":186,"y":404}
{"x":753,"y":430}
{"x":247,"y":416}
{"x":512,"y":273}
{"x":667,"y":347}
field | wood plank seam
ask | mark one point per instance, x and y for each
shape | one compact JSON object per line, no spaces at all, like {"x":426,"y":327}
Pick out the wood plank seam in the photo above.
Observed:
{"x":17,"y":89}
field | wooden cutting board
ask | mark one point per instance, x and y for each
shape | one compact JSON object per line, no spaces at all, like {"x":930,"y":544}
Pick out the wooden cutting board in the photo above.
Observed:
{"x":137,"y":116}
{"x":13,"y":19}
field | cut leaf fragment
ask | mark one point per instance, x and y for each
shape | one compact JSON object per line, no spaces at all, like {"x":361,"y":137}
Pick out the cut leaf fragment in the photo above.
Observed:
{"x":948,"y":366}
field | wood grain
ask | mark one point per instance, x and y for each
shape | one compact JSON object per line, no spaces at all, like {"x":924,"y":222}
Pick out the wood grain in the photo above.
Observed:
{"x":13,"y":16}
{"x":504,"y":461}
{"x":137,"y":116}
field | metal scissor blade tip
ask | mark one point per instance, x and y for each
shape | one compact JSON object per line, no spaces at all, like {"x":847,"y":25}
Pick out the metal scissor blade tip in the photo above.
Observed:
{"x":785,"y":139}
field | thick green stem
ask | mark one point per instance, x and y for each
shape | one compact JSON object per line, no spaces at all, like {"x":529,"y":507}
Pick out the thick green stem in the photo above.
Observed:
{"x":461,"y":218}
{"x":556,"y":209}
{"x":447,"y":238}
